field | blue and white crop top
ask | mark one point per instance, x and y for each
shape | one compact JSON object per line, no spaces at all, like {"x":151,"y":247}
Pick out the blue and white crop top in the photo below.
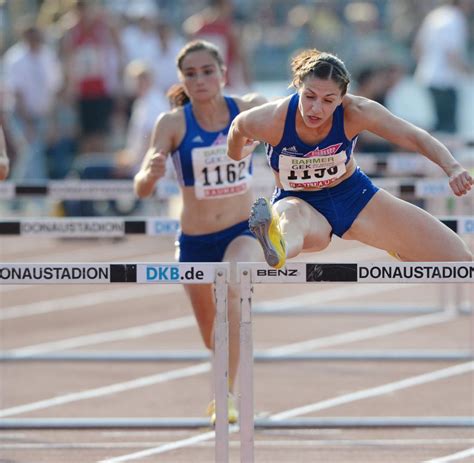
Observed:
{"x":201,"y":159}
{"x":301,"y":166}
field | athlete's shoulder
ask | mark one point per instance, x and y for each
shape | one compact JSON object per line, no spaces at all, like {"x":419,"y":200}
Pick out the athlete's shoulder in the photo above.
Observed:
{"x":281,"y":104}
{"x":360,"y":112}
{"x":356,"y":105}
{"x":171,"y":119}
{"x":358,"y":108}
{"x":275,"y":109}
{"x":170,"y":125}
{"x":265,"y":122}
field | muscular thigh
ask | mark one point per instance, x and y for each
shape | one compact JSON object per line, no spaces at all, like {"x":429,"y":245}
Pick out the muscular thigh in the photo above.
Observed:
{"x":302,"y":217}
{"x":395,"y":225}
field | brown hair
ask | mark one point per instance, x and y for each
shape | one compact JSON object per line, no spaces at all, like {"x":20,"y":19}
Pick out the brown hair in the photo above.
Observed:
{"x":315,"y":63}
{"x":199,"y":45}
{"x":176,"y":94}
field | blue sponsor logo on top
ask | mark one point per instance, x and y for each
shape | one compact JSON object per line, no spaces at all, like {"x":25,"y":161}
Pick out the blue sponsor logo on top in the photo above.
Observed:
{"x":162,"y":273}
{"x":165,"y":227}
{"x":469,"y":226}
{"x":172,"y":273}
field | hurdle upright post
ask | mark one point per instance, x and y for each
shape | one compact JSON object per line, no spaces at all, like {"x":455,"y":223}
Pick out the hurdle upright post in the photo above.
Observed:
{"x":221,"y":367}
{"x":246,"y":405}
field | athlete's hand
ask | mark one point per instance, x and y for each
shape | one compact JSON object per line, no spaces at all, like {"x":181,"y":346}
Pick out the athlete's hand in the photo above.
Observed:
{"x":249,"y":147}
{"x":156,"y":166}
{"x":460,"y":181}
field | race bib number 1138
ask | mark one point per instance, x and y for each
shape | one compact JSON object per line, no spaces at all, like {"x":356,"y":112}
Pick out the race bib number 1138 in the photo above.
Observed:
{"x":298,"y":173}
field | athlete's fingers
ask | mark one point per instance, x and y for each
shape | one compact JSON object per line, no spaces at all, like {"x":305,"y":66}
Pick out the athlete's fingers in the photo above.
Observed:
{"x":461,"y":183}
{"x":157,"y":164}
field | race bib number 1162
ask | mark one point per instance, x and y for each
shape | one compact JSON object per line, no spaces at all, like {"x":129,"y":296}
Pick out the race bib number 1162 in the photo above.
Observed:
{"x":216,"y":175}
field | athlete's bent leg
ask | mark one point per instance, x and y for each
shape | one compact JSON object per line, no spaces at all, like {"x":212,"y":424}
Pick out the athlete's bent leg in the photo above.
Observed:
{"x":413,"y":234}
{"x":203,"y":302}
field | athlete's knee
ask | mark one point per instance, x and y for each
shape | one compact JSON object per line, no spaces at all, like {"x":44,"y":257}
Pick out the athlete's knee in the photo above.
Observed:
{"x":460,"y":253}
{"x":209,"y":343}
{"x":208,"y":339}
{"x":295,"y":221}
{"x":317,"y":242}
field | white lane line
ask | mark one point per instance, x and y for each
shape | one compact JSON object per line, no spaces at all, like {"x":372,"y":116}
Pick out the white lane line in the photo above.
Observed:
{"x":453,"y":457}
{"x":80,"y":301}
{"x":111,"y":389}
{"x":372,"y":333}
{"x":363,"y":334}
{"x":328,"y":294}
{"x":107,"y":336}
{"x":371,"y":392}
{"x":258,"y":443}
{"x":166,"y":448}
{"x":97,"y":338}
{"x":375,"y":391}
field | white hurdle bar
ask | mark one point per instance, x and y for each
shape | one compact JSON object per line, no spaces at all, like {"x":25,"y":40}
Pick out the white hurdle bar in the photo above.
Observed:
{"x":145,"y":273}
{"x":302,"y":272}
{"x":116,"y":227}
{"x":102,"y":190}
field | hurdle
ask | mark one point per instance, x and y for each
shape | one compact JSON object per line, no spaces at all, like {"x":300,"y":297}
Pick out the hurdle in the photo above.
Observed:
{"x":302,"y":272}
{"x":84,"y":190}
{"x":141,"y":273}
{"x":116,"y":227}
{"x":159,"y":225}
{"x":250,"y":274}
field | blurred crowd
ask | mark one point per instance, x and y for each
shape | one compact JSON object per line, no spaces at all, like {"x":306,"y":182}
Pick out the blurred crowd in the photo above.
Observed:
{"x":88,"y":77}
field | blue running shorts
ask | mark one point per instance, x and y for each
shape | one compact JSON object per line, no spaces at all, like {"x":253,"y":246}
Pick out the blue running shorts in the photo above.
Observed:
{"x":210,"y":247}
{"x":341,"y":204}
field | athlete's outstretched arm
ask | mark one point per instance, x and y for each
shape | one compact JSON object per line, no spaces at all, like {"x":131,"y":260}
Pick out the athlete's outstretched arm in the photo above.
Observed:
{"x":377,"y":119}
{"x":250,"y":125}
{"x":154,"y":163}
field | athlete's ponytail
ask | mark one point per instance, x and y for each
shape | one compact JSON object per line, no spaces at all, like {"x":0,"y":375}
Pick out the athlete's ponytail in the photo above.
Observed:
{"x":177,"y":96}
{"x":315,"y":63}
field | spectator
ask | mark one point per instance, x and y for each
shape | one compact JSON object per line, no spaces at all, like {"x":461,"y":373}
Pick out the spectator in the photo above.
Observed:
{"x":440,"y":48}
{"x":407,"y":98}
{"x":63,"y":138}
{"x":4,"y":162}
{"x":215,"y":24}
{"x":372,"y":83}
{"x":91,"y":52}
{"x":6,"y":122}
{"x":170,"y":43}
{"x":149,"y":103}
{"x":33,"y":75}
{"x":140,"y":38}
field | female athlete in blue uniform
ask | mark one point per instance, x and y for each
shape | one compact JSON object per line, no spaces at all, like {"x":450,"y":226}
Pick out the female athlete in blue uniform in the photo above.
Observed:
{"x":319,"y":188}
{"x":215,"y":190}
